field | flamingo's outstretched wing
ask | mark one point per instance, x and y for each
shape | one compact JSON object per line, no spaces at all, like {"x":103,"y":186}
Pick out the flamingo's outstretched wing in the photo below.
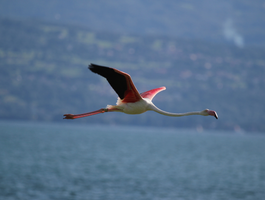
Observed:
{"x":151,"y":93}
{"x":120,"y":81}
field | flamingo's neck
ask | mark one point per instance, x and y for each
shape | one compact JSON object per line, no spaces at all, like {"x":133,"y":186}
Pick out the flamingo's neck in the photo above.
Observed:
{"x":154,"y":108}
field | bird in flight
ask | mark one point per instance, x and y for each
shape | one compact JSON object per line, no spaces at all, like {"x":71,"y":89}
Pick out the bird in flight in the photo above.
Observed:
{"x":130,"y":101}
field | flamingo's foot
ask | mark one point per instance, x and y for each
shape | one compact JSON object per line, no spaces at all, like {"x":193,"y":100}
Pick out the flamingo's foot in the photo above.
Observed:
{"x":69,"y":116}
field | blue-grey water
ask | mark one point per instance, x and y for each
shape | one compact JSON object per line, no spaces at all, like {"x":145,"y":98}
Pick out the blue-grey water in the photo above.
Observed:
{"x":68,"y":162}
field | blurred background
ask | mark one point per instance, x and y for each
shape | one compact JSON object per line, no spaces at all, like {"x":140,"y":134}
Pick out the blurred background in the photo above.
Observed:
{"x":208,"y":54}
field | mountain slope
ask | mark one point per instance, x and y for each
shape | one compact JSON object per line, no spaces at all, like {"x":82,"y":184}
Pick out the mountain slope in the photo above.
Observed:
{"x":44,"y":75}
{"x":240,"y":21}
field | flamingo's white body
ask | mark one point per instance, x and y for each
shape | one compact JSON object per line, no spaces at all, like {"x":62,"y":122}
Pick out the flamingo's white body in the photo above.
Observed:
{"x":130,"y":101}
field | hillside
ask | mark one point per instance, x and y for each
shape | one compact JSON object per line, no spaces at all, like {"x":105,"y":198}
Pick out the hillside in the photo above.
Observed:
{"x":43,"y":75}
{"x":240,"y":22}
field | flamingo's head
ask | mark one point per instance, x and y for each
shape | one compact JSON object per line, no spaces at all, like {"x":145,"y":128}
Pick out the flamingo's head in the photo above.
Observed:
{"x":210,"y":112}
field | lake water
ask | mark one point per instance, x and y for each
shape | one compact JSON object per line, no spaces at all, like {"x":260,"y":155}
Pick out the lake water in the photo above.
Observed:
{"x":80,"y":162}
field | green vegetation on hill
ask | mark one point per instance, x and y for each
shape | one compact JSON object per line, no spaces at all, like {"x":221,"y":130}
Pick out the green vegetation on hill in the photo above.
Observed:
{"x":43,"y":75}
{"x":211,"y":20}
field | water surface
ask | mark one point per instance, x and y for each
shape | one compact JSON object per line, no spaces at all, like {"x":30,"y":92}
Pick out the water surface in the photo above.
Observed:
{"x":61,"y":161}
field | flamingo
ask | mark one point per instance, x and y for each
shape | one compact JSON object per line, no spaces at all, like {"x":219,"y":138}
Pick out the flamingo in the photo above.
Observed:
{"x":130,"y":101}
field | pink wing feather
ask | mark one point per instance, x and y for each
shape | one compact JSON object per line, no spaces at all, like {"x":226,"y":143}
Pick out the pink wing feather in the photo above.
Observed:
{"x":151,"y":93}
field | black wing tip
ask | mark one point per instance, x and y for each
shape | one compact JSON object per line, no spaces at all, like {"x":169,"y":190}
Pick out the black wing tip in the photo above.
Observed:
{"x":100,"y":69}
{"x":93,"y":67}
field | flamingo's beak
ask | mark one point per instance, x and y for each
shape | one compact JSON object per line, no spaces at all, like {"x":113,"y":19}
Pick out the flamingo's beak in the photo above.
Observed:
{"x":216,"y":116}
{"x":213,"y":113}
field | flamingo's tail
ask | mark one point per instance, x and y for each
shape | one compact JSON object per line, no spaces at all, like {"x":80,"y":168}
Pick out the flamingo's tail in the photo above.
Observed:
{"x":71,"y":116}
